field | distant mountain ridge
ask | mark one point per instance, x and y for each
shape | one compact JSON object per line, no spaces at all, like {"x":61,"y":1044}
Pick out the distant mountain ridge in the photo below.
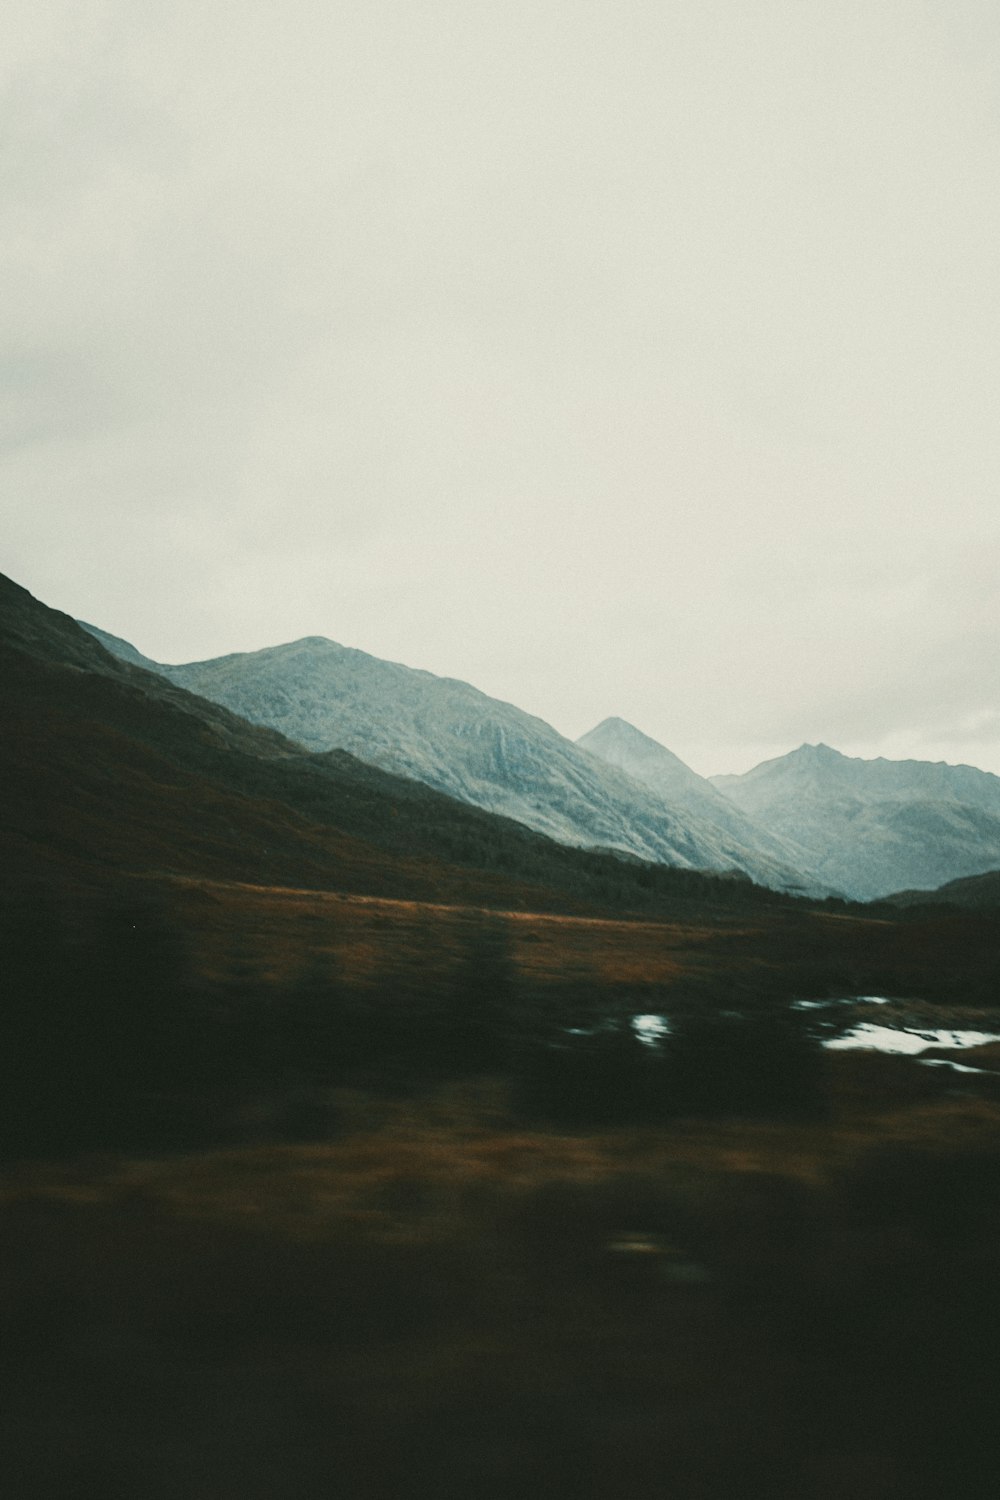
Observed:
{"x":458,"y":740}
{"x":620,"y":744}
{"x":874,"y":827}
{"x":813,"y":821}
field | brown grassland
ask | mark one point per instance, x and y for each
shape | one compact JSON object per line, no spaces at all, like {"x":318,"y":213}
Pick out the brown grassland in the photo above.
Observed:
{"x":448,"y":1297}
{"x":442,"y":1301}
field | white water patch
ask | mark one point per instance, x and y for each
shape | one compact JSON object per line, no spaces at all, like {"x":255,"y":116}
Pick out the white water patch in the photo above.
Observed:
{"x":944,"y":1062}
{"x":840,"y":1000}
{"x":651,"y":1029}
{"x":905,"y":1040}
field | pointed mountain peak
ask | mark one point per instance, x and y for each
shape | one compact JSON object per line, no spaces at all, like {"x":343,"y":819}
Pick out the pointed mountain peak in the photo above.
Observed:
{"x":808,"y":760}
{"x":304,"y":643}
{"x":614,"y":728}
{"x":614,"y":722}
{"x":621,"y":744}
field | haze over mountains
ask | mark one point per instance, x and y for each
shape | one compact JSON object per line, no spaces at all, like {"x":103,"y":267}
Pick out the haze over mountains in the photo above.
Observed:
{"x":458,"y":740}
{"x":814,"y":820}
{"x":663,"y":773}
{"x":873,"y":827}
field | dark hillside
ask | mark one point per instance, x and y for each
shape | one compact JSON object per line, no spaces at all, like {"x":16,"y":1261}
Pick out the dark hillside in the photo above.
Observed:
{"x":979,"y":892}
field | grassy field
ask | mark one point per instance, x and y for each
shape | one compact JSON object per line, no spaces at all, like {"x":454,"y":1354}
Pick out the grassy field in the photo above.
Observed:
{"x":369,"y":939}
{"x":275,"y":930}
{"x":443,"y":1293}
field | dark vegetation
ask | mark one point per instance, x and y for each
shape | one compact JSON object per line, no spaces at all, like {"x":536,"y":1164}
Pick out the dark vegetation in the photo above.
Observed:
{"x":978,"y":892}
{"x":468,"y":1234}
{"x":111,"y":1038}
{"x":772,"y":1312}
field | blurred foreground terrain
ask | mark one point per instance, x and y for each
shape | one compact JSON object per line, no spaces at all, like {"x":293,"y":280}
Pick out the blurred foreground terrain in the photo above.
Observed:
{"x":445,"y":1302}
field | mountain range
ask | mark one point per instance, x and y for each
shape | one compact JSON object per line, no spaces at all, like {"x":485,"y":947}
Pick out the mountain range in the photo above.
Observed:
{"x":482,"y":751}
{"x":873,"y":827}
{"x":813,"y":821}
{"x":433,"y":769}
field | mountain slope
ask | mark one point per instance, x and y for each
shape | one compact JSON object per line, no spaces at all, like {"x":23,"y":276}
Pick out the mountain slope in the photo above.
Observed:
{"x":975,"y":892}
{"x":620,"y":744}
{"x":454,"y":738}
{"x":872,"y":828}
{"x":108,"y":772}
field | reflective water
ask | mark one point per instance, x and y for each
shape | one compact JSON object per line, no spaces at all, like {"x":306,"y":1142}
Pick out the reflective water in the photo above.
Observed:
{"x":901,"y":1040}
{"x":907,"y":1039}
{"x":944,"y":1062}
{"x":651,"y":1029}
{"x":840,"y":1000}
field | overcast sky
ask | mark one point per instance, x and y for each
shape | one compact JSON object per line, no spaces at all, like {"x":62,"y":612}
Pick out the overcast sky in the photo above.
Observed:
{"x":632,"y":358}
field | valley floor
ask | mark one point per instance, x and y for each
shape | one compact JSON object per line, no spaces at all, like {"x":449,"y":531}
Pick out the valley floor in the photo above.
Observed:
{"x":440,"y":1294}
{"x":442,"y":1301}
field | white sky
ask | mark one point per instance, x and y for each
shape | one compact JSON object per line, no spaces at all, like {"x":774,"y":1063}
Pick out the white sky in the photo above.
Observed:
{"x":620,"y":358}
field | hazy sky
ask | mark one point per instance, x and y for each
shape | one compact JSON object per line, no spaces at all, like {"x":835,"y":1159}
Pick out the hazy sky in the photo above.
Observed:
{"x":620,"y":358}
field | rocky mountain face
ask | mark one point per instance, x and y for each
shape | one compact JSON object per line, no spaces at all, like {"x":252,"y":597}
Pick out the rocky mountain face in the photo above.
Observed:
{"x":620,"y":744}
{"x":873,"y":827}
{"x":458,"y":740}
{"x":814,"y":820}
